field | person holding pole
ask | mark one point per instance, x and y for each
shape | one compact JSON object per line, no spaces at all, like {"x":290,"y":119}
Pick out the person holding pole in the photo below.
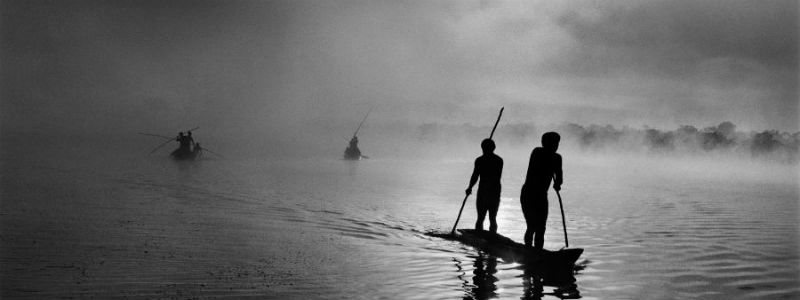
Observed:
{"x":489,"y":168}
{"x":544,"y":166}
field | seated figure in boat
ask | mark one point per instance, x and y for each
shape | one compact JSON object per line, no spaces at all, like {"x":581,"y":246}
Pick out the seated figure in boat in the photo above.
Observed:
{"x":544,"y":166}
{"x":185,"y":141}
{"x":488,"y":168}
{"x":185,"y":145}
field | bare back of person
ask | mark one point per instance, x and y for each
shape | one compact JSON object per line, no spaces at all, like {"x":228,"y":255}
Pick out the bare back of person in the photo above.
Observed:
{"x":489,"y":169}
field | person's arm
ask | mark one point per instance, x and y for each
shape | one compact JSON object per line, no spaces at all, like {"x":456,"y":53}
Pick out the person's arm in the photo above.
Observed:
{"x":559,"y":174}
{"x":473,"y":179}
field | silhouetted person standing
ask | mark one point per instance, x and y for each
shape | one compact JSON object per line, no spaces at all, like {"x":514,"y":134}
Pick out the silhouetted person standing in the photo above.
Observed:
{"x":544,"y":166}
{"x":489,"y":168}
{"x":352,"y":151}
{"x":197,"y":150}
{"x":189,"y":138}
{"x":354,"y":142}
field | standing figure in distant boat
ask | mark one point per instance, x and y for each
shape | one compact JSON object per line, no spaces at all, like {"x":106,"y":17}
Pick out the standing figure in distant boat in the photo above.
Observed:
{"x":354,"y":142}
{"x":189,"y":138}
{"x":489,"y":168}
{"x":181,"y":141}
{"x":544,"y":167}
{"x":197,"y":150}
{"x":352,"y":151}
{"x":182,"y":148}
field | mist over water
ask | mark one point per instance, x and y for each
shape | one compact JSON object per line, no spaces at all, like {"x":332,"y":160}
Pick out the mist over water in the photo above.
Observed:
{"x":99,"y":217}
{"x":679,"y":125}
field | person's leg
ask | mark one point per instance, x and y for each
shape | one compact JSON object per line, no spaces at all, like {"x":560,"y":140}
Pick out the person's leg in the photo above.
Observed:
{"x":540,"y":223}
{"x":482,"y":209}
{"x":527,"y":212}
{"x":538,"y":241}
{"x":493,"y":207}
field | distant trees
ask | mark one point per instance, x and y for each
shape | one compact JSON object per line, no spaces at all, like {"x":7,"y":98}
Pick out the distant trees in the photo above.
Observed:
{"x":780,"y":145}
{"x":686,"y":138}
{"x":719,"y":137}
{"x":724,"y":137}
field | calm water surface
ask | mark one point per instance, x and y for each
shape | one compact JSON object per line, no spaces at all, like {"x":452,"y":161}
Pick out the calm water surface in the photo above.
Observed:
{"x":80,"y":224}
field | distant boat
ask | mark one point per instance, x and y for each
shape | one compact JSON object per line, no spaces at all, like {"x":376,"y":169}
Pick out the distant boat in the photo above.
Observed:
{"x":352,"y":152}
{"x":507,"y":249}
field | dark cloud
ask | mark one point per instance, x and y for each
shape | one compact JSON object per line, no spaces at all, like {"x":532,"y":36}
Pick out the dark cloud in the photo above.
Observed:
{"x":688,"y":32}
{"x":293,"y":66}
{"x":720,"y":59}
{"x":95,"y":64}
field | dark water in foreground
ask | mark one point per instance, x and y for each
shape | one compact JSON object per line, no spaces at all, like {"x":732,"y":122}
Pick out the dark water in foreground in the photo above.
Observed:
{"x":84,"y":224}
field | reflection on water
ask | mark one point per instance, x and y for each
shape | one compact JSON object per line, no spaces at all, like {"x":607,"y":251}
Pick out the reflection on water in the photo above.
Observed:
{"x":534,"y":280}
{"x":122,"y":225}
{"x":482,"y":283}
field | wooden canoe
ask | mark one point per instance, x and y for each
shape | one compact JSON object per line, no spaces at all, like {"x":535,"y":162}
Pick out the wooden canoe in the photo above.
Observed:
{"x":507,"y":249}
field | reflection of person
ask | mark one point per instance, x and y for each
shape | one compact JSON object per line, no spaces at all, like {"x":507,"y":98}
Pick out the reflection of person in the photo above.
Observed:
{"x":489,"y":167}
{"x":535,"y":277}
{"x":532,"y":287}
{"x":544,"y":166}
{"x":484,"y":277}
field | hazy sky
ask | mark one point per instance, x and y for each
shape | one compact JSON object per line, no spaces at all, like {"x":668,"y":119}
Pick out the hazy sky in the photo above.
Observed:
{"x":266,"y":66}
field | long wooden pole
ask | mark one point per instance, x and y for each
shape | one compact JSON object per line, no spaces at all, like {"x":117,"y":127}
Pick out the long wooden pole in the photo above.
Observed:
{"x":212,"y":152}
{"x":467,"y":196}
{"x":563,"y":219}
{"x":459,"y":214}
{"x":156,"y":135}
{"x":498,"y":121}
{"x":159,"y":146}
{"x":362,"y":121}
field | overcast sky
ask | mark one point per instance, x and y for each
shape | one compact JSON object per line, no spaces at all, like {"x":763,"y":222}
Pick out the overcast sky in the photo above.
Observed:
{"x":268,"y":65}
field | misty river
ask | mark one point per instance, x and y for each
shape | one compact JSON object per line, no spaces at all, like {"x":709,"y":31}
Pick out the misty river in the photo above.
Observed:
{"x":112,"y":222}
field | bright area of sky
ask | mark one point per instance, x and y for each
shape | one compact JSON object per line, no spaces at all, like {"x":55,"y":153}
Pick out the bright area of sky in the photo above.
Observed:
{"x":285,"y":67}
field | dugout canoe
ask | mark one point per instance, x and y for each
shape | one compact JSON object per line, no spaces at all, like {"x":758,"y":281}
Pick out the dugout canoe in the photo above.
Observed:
{"x":507,"y":249}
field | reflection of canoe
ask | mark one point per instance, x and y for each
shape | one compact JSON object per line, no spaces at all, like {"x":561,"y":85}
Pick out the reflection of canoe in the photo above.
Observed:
{"x":507,"y":249}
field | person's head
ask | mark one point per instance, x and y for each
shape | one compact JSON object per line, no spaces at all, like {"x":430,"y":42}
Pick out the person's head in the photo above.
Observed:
{"x":550,"y":141}
{"x":487,"y":146}
{"x":190,"y":133}
{"x":180,"y":133}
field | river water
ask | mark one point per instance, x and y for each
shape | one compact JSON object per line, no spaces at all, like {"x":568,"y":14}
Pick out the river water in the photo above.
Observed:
{"x":116,"y":223}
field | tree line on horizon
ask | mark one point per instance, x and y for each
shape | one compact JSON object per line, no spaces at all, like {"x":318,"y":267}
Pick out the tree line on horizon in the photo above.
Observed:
{"x":722,"y":138}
